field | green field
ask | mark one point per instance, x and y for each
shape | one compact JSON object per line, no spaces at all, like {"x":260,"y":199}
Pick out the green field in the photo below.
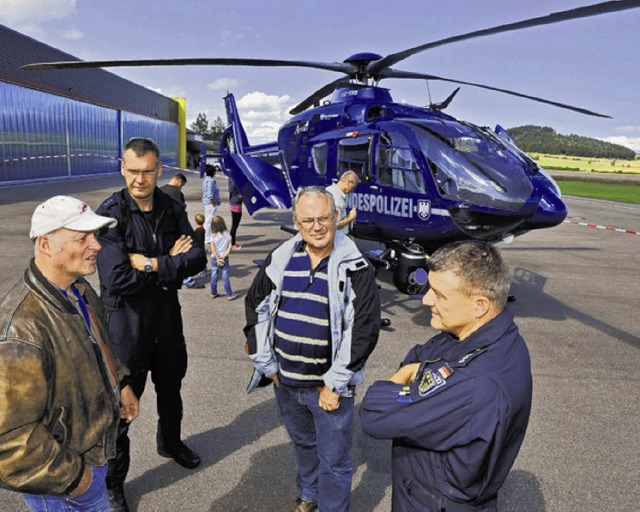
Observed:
{"x":598,"y":190}
{"x":581,"y":164}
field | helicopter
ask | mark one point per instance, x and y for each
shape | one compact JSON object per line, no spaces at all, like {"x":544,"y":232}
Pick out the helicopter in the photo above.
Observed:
{"x":426,"y":178}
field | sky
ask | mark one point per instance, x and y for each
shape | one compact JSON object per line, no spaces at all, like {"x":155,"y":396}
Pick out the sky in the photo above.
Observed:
{"x":592,"y":63}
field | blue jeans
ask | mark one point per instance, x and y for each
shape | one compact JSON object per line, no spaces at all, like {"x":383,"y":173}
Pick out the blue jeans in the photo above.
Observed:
{"x":215,"y":270}
{"x":321,"y":442}
{"x":94,"y":499}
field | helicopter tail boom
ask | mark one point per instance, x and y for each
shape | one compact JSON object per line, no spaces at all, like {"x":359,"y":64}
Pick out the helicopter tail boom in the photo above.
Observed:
{"x":235,"y":132}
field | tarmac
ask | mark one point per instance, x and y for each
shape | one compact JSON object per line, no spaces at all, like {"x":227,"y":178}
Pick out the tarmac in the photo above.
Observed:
{"x":576,"y":290}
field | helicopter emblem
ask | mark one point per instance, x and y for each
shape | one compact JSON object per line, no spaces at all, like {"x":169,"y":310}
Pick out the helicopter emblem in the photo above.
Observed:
{"x":424,"y":208}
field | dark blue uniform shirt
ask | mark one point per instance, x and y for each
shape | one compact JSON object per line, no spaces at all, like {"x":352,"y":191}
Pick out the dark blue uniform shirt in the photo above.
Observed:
{"x":458,"y":427}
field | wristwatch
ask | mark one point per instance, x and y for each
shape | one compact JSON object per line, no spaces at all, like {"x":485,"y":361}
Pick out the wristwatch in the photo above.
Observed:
{"x":148,"y":265}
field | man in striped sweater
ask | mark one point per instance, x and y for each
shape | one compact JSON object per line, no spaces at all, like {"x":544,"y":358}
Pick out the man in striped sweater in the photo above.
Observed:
{"x":313,"y":318}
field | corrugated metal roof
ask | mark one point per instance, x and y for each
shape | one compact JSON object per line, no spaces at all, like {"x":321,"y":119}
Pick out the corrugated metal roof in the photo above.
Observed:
{"x":91,"y":85}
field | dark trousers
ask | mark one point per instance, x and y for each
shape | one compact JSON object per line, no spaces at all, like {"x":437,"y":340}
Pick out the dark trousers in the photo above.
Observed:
{"x":162,"y":351}
{"x":235,"y":222}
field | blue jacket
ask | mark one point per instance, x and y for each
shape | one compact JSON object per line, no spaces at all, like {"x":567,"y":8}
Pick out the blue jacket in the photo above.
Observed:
{"x":354,"y":313}
{"x":458,"y":427}
{"x":210,"y":191}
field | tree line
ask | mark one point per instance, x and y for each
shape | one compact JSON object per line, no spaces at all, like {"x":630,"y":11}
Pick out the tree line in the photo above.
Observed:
{"x":211,"y":133}
{"x":543,"y":139}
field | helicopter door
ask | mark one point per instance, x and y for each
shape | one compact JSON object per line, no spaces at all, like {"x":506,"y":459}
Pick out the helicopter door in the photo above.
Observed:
{"x":400,"y":183}
{"x":354,"y":153}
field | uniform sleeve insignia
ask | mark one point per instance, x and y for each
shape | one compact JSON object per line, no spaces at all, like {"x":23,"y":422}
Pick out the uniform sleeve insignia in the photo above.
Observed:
{"x":445,"y":371}
{"x":429,"y":382}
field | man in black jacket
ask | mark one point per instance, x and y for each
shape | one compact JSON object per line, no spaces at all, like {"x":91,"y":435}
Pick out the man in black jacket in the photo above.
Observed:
{"x":142,"y":265}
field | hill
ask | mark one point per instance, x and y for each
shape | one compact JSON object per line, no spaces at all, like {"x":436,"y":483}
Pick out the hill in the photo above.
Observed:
{"x":542,"y":139}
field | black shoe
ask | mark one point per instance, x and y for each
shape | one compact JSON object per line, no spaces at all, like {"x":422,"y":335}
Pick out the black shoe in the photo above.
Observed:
{"x":117,"y":502}
{"x":181,"y":453}
{"x":301,"y":505}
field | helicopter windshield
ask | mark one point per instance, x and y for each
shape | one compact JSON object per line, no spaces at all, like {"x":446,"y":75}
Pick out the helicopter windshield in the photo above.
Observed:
{"x":471,"y":165}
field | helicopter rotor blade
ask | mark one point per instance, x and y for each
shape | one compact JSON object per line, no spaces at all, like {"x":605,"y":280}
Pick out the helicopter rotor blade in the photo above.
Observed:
{"x":315,"y":98}
{"x":204,"y":61}
{"x":375,"y":67}
{"x":391,"y":73}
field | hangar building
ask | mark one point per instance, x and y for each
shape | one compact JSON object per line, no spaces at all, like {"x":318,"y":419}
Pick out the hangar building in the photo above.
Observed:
{"x":68,"y":123}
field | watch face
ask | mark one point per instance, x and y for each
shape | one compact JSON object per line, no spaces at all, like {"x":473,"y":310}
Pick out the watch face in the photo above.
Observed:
{"x":148,"y":266}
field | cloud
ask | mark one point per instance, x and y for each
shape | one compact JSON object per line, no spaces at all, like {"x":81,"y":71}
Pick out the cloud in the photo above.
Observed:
{"x":32,"y":12}
{"x":224,"y":84}
{"x":628,"y":128}
{"x":258,"y":100}
{"x":73,"y":34}
{"x":262,"y":115}
{"x":623,"y":140}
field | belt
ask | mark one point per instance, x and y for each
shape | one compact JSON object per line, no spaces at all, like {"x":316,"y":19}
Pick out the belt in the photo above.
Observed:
{"x":439,"y":503}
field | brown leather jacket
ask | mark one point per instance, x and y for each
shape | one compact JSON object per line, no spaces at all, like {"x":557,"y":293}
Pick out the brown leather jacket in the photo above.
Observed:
{"x":59,"y":387}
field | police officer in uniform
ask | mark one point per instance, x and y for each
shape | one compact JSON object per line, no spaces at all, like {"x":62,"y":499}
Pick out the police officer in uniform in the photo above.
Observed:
{"x":458,"y":407}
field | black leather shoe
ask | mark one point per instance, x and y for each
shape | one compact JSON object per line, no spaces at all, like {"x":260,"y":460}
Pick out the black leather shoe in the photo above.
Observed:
{"x":117,"y":502}
{"x":181,"y":453}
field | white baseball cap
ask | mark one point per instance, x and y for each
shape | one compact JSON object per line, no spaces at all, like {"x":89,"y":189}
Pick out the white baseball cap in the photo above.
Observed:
{"x":66,"y":212}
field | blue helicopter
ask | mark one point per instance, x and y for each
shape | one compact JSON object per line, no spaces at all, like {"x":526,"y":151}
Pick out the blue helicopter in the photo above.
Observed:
{"x":426,"y":178}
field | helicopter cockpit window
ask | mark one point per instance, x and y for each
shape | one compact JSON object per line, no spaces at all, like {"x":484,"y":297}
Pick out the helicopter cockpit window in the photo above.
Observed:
{"x":353,"y":154}
{"x":319,"y":156}
{"x":396,"y":164}
{"x":471,"y":165}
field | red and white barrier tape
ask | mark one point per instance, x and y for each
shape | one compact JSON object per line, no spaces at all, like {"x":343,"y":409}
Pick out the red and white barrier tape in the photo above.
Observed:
{"x":48,"y":157}
{"x":606,"y":228}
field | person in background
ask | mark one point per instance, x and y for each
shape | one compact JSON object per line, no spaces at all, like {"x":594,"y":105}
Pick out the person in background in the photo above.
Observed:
{"x":345,"y":185}
{"x":210,"y":199}
{"x":235,"y":207}
{"x":144,"y":259}
{"x":198,"y":238}
{"x":220,"y":249}
{"x":63,"y":390}
{"x":174,"y":187}
{"x":313,"y":319}
{"x":458,"y":407}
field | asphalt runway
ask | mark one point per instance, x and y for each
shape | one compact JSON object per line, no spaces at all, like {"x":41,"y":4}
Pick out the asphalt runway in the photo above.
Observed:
{"x":576,"y":290}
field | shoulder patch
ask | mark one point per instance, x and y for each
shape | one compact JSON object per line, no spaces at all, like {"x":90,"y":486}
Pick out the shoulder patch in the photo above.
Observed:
{"x":429,"y":382}
{"x":108,"y":202}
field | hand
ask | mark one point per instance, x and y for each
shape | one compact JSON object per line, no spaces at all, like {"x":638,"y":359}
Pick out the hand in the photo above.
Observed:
{"x":84,"y":484}
{"x":182,"y":245}
{"x":328,"y":400}
{"x":275,"y":379}
{"x":129,"y":405}
{"x":220,"y":262}
{"x":137,"y":261}
{"x":406,"y":374}
{"x":352,"y":214}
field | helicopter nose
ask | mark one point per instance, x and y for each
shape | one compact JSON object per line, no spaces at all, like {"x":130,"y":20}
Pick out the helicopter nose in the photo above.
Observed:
{"x":550,"y":212}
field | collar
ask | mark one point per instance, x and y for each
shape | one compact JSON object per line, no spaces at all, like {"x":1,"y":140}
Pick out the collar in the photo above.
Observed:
{"x":483,"y":337}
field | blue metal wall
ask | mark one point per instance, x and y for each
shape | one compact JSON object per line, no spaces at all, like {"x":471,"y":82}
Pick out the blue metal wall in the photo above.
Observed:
{"x":45,"y":136}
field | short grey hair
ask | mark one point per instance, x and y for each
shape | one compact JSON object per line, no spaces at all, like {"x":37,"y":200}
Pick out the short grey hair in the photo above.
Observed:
{"x":349,"y":173}
{"x":315,"y":191}
{"x":480,"y":267}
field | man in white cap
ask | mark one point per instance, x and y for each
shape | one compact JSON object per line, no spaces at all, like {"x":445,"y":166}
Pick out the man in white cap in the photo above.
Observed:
{"x":62,"y":391}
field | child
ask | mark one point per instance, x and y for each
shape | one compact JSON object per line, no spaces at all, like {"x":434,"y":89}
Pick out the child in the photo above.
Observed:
{"x":199,"y":238}
{"x":220,"y":249}
{"x":191,"y":281}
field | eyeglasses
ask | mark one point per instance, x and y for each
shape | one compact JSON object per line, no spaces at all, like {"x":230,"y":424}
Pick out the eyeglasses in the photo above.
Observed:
{"x":144,"y":174}
{"x":325,"y":220}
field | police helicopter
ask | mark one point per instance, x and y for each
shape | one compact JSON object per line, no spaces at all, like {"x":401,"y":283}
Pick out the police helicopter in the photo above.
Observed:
{"x":426,"y":178}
